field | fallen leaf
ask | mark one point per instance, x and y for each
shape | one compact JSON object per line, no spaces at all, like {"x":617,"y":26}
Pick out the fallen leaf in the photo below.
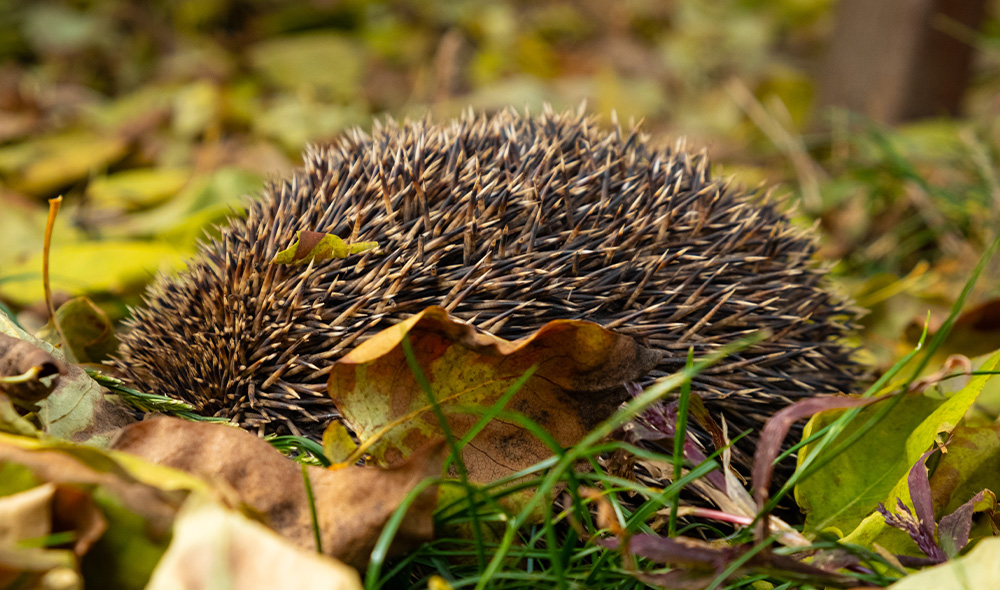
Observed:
{"x":954,"y":528}
{"x":78,"y":408}
{"x":213,"y":547}
{"x":205,"y":200}
{"x":27,"y":517}
{"x":120,"y":267}
{"x":38,"y":567}
{"x":772,"y":440}
{"x":351,"y":516}
{"x":91,"y":488}
{"x":45,"y":164}
{"x":292,"y":62}
{"x":874,"y":469}
{"x":958,"y":489}
{"x":27,"y":373}
{"x":293,"y":122}
{"x":337,"y":443}
{"x":310,"y":246}
{"x":974,"y":333}
{"x":580,"y":380}
{"x":979,"y":569}
{"x":12,"y":422}
{"x":137,"y":189}
{"x":196,"y":108}
{"x":88,"y":331}
{"x":22,"y":230}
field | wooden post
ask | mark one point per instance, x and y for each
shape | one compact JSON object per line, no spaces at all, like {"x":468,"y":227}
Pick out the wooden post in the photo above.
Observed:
{"x":899,"y":60}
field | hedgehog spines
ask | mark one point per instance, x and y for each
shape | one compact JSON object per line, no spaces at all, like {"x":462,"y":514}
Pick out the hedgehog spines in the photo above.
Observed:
{"x":508,"y":222}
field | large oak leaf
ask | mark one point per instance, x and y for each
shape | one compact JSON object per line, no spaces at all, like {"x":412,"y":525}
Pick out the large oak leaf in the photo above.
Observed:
{"x":580,"y":380}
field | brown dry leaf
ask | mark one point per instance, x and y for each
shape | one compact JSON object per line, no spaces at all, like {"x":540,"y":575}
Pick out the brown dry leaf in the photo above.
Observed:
{"x":213,"y":547}
{"x":27,"y":373}
{"x":77,"y":409}
{"x":976,"y":331}
{"x":353,"y":503}
{"x":581,"y":372}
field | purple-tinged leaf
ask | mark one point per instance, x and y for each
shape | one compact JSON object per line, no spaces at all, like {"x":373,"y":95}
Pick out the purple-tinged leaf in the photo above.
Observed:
{"x":679,"y":551}
{"x":661,"y":424}
{"x":920,"y":494}
{"x":678,"y":579}
{"x":953,"y":530}
{"x":702,"y":562}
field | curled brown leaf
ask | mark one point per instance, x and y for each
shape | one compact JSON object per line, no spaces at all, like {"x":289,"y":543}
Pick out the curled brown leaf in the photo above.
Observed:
{"x":27,"y":373}
{"x":353,"y":504}
{"x":955,"y":361}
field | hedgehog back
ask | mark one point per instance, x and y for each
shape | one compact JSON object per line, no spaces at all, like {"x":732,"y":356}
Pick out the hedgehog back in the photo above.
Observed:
{"x":509,"y":222}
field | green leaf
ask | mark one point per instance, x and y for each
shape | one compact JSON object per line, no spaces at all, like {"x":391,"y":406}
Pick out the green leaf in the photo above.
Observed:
{"x":79,"y":409}
{"x":312,"y":246}
{"x":846,"y":492}
{"x":22,"y":230}
{"x":196,"y":108}
{"x":205,"y":200}
{"x":852,"y":484}
{"x":294,"y":122}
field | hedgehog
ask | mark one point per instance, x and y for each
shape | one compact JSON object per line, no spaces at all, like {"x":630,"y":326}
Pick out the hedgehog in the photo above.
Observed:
{"x":508,"y":221}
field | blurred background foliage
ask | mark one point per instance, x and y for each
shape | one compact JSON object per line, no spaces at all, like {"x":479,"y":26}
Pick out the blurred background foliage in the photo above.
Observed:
{"x":154,"y":119}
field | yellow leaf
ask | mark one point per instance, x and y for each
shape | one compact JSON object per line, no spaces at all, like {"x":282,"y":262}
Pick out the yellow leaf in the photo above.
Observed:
{"x":312,"y":246}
